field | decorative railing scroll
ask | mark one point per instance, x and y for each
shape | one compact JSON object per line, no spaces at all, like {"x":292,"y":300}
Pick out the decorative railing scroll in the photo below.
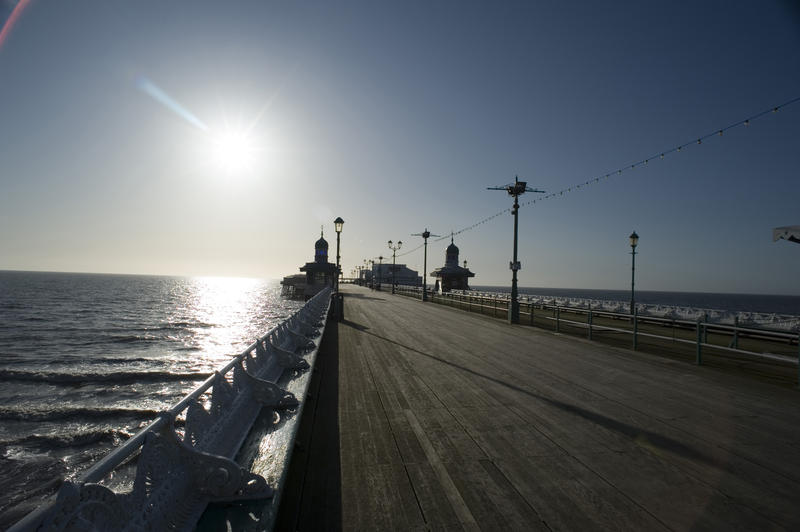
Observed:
{"x":177,"y":476}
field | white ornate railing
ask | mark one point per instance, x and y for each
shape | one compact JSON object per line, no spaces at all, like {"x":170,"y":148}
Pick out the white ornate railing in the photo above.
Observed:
{"x":177,"y":475}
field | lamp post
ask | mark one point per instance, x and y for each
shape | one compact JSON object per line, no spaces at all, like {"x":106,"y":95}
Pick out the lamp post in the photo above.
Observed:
{"x":337,"y":224}
{"x":634,"y":242}
{"x":515,"y":189}
{"x":380,"y":270}
{"x":394,"y":249}
{"x":425,"y":235}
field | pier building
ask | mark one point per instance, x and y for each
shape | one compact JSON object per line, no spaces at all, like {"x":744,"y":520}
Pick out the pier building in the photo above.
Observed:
{"x":451,"y":276}
{"x":317,"y":274}
{"x":399,"y":273}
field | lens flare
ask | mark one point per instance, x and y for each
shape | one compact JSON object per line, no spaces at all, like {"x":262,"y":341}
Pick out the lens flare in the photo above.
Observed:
{"x":8,"y":24}
{"x":155,"y":92}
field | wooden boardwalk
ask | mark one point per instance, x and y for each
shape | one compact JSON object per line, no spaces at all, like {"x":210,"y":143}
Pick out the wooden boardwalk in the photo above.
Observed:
{"x":430,"y":418}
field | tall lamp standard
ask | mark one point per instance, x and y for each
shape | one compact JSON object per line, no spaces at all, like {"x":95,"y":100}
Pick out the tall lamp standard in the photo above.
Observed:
{"x":634,"y":242}
{"x":515,"y":189}
{"x":425,"y":235}
{"x":380,"y":271}
{"x":394,"y":249}
{"x":337,"y":224}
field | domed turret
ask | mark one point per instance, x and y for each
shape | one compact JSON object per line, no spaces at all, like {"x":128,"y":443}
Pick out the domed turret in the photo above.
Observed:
{"x":451,"y":254}
{"x":321,"y":249}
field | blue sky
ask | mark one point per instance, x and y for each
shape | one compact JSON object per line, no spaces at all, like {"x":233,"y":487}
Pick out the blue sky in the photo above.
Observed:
{"x":396,"y":117}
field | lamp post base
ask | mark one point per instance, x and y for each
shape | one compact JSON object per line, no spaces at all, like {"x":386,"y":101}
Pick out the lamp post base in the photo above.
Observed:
{"x":513,"y":311}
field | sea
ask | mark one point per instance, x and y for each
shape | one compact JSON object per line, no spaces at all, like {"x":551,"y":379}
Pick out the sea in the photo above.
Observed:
{"x":87,"y":360}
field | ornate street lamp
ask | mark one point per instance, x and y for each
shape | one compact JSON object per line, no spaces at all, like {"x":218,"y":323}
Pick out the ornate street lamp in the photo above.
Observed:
{"x":337,"y":224}
{"x":425,"y":235}
{"x":394,"y":249}
{"x":515,"y":189}
{"x":380,"y":271}
{"x":634,"y":242}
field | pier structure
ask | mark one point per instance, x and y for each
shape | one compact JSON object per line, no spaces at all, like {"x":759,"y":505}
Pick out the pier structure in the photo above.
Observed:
{"x":451,"y":276}
{"x":317,"y":275}
{"x":425,"y":417}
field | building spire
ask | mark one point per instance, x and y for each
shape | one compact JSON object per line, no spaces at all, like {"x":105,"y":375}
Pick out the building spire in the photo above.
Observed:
{"x":321,"y":231}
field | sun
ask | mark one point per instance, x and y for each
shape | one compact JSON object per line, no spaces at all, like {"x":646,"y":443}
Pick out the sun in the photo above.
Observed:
{"x":234,"y":152}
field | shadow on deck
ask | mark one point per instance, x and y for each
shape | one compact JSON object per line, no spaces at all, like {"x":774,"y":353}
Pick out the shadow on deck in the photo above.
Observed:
{"x":312,"y":498}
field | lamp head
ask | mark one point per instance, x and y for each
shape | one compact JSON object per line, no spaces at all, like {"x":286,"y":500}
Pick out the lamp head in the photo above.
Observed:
{"x":634,"y":239}
{"x":338,"y":223}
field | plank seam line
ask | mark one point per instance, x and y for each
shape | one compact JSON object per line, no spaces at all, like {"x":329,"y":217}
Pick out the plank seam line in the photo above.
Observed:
{"x":450,"y":490}
{"x":394,"y":439}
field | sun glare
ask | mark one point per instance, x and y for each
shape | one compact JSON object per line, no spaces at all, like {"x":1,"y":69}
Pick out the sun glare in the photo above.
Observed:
{"x":234,"y":152}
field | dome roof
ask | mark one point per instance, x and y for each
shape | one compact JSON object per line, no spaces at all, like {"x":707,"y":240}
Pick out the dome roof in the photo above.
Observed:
{"x":321,"y":243}
{"x":452,"y":248}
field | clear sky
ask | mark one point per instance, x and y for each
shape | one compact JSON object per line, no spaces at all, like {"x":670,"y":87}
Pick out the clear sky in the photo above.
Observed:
{"x":214,"y":138}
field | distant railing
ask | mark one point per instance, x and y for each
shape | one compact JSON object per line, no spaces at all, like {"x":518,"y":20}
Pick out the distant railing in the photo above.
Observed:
{"x":178,"y":474}
{"x":729,"y":337}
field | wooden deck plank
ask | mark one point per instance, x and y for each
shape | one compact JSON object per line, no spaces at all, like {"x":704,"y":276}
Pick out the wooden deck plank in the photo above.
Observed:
{"x":453,"y":421}
{"x":569,"y":496}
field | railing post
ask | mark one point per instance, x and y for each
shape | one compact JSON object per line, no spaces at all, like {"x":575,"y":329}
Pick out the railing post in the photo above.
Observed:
{"x":736,"y":332}
{"x":705,"y":328}
{"x":635,"y":327}
{"x":699,"y":357}
{"x":589,"y":320}
{"x":558,"y":319}
{"x":494,"y":312}
{"x":530,"y":308}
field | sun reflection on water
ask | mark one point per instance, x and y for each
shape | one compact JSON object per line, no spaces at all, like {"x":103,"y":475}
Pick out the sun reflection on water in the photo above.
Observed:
{"x":223,"y":315}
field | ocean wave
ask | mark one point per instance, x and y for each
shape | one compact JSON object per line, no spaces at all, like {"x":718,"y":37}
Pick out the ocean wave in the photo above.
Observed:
{"x":75,"y":439}
{"x":120,"y":377}
{"x":73,"y":413}
{"x":113,"y":360}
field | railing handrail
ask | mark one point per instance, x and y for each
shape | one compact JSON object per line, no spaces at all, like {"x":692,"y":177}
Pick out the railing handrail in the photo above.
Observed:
{"x":624,"y":315}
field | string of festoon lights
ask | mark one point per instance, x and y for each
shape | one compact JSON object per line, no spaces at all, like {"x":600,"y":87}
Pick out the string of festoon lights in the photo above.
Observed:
{"x":642,"y":162}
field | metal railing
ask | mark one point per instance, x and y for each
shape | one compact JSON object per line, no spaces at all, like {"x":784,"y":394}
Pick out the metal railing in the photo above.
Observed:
{"x":686,"y":332}
{"x":178,"y":475}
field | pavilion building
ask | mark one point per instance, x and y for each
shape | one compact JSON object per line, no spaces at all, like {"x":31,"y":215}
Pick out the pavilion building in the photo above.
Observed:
{"x":317,"y":275}
{"x":451,"y":276}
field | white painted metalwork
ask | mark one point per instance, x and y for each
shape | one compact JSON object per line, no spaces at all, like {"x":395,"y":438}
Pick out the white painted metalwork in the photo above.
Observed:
{"x":176,"y":477}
